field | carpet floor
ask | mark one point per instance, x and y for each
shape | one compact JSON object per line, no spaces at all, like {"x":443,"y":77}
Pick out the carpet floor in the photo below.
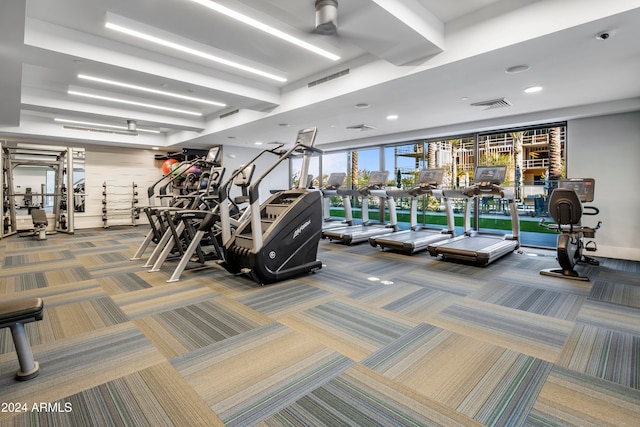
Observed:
{"x":374,"y":338}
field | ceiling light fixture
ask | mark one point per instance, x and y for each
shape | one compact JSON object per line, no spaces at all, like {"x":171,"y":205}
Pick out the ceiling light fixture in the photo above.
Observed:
{"x":533,"y":89}
{"x":392,"y":117}
{"x":516,"y":69}
{"x":103,"y":125}
{"x":195,"y":52}
{"x":139,"y":104}
{"x":149,"y":90}
{"x":266,"y":28}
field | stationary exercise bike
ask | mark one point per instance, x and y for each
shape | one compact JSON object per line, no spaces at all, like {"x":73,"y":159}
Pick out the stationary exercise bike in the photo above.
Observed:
{"x":566,"y":208}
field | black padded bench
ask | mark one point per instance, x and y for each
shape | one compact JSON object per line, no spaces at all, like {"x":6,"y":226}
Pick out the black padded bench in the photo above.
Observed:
{"x":14,"y":315}
{"x":40,"y":223}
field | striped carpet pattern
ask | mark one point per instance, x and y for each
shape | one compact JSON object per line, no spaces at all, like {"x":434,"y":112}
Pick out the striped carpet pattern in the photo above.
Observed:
{"x":374,"y":338}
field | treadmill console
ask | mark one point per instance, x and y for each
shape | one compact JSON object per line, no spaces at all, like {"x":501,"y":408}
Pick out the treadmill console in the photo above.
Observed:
{"x":584,"y":187}
{"x":306,"y":137}
{"x":431,"y":177}
{"x":490,"y":175}
{"x":377,"y":179}
{"x":335,"y":180}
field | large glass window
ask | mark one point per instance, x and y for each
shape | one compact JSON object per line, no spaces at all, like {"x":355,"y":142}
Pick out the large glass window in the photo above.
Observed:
{"x":361,"y":164}
{"x":535,"y":158}
{"x":536,"y":162}
{"x":404,"y":163}
{"x":331,"y":163}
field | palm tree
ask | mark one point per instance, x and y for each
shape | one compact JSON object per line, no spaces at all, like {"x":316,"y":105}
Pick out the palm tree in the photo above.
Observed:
{"x":555,"y":158}
{"x":455,"y":144}
{"x":517,"y":138}
{"x":432,"y":148}
{"x":354,"y":169}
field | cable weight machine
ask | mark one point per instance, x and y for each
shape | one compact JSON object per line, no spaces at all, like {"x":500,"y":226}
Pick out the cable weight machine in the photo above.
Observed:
{"x":57,"y":159}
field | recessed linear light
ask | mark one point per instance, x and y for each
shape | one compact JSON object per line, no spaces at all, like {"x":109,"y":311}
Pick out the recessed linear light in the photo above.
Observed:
{"x":139,"y":104}
{"x":103,"y":125}
{"x":533,"y":89}
{"x":194,"y":52}
{"x":150,"y":90}
{"x":266,"y":28}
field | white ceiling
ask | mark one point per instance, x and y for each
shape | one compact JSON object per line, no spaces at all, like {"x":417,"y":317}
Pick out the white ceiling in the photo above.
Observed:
{"x":423,"y":60}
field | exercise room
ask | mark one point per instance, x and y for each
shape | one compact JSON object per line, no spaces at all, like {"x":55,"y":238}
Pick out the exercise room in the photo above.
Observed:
{"x":319,"y":213}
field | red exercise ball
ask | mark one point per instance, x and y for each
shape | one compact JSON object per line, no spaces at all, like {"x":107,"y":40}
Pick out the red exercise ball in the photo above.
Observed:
{"x":166,"y":166}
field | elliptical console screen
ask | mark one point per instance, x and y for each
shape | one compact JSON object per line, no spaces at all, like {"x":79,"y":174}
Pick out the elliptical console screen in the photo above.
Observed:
{"x":378,"y":178}
{"x":431,"y":176}
{"x":213,"y":156}
{"x":490,"y":174}
{"x":584,"y":187}
{"x":306,"y":137}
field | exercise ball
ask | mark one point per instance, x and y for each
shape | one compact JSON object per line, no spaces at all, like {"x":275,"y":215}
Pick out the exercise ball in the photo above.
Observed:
{"x":194,"y":170}
{"x":175,"y":168}
{"x":167,"y":165}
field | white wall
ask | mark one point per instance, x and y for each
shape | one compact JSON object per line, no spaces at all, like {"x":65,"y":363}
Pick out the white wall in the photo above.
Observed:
{"x":607,"y":148}
{"x":119,"y":169}
{"x":234,"y":157}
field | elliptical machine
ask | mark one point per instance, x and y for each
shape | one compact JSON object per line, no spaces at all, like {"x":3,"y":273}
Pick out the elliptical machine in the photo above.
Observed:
{"x":566,"y":208}
{"x":280,"y":238}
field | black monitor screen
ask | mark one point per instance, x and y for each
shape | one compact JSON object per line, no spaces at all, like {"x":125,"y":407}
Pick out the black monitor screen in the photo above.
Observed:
{"x":584,"y":187}
{"x":490,"y":174}
{"x":306,"y":137}
{"x":431,"y":176}
{"x":378,"y":178}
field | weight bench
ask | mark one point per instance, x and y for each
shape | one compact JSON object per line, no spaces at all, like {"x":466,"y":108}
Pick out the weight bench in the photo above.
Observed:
{"x":14,"y":315}
{"x":40,"y":223}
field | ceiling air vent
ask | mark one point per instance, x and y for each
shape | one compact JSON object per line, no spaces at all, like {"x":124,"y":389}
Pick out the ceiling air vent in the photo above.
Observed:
{"x":329,"y":77}
{"x":361,"y":127}
{"x":494,"y":103}
{"x":230,"y":113}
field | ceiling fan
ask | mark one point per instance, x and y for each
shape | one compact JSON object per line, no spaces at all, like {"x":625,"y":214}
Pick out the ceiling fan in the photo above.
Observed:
{"x":360,"y":25}
{"x":326,"y":17}
{"x":355,"y":28}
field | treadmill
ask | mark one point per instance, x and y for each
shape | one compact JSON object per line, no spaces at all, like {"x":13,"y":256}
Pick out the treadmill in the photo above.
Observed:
{"x":361,"y":233}
{"x":482,"y":248}
{"x":418,"y":237}
{"x":332,"y":189}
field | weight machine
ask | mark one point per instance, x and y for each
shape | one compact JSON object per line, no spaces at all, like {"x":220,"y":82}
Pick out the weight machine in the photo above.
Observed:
{"x":60,"y":160}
